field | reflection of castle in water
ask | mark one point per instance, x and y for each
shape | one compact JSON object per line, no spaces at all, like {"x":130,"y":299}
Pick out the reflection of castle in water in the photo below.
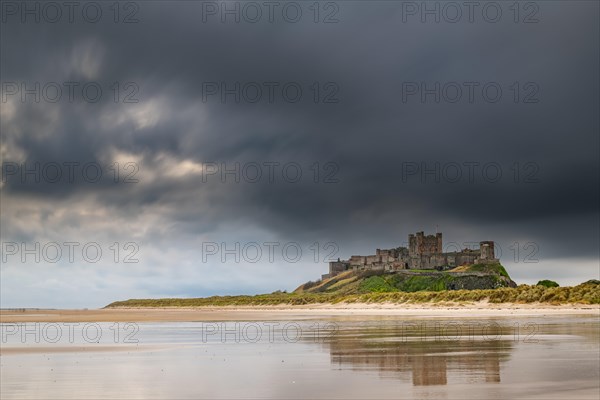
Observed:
{"x":425,"y":362}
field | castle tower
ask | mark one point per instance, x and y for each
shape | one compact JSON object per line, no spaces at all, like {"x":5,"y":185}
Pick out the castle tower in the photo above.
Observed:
{"x":487,"y":250}
{"x":420,"y":236}
{"x":440,"y":247}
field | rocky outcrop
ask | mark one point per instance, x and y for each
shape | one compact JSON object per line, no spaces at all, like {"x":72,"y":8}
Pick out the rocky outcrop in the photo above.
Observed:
{"x":472,"y":277}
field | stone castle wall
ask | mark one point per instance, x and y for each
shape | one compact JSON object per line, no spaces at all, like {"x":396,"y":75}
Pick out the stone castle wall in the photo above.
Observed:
{"x":423,"y":252}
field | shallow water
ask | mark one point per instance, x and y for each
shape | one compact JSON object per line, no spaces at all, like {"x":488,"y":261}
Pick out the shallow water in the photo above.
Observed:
{"x":360,"y":357}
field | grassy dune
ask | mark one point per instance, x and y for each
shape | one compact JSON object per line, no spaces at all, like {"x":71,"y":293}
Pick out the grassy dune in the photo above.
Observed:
{"x":585,"y":293}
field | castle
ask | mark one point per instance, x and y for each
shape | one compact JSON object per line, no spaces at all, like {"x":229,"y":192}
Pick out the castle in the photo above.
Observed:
{"x":423,"y":252}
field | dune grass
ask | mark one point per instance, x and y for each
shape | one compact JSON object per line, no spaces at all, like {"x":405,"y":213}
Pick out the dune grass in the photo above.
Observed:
{"x":585,"y":293}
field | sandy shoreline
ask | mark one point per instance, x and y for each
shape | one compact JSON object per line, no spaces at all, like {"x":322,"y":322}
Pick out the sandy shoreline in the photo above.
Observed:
{"x":286,"y":312}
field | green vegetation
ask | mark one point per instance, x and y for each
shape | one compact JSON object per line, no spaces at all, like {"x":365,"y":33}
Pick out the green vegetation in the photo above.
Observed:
{"x":417,"y":283}
{"x":547,"y":283}
{"x":585,"y":293}
{"x":405,"y":283}
{"x":486,"y":268}
{"x":376,"y":284}
{"x":468,"y":283}
{"x":479,"y":276}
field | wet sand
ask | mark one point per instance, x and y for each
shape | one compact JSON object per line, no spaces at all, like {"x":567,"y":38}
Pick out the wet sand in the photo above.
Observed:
{"x":5,"y":350}
{"x":286,"y":312}
{"x":369,"y":353}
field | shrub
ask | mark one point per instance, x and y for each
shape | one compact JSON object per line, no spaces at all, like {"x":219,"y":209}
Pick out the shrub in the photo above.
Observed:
{"x":591,"y":282}
{"x":310,"y":284}
{"x":547,"y":283}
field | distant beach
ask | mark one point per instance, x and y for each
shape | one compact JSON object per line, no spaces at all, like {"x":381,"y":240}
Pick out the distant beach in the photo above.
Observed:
{"x":287,"y":312}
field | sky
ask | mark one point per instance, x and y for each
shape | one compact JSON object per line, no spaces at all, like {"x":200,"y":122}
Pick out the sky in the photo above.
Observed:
{"x":188,"y":148}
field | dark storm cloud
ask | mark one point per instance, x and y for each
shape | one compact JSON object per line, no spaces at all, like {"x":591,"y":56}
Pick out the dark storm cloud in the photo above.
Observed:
{"x":375,"y":137}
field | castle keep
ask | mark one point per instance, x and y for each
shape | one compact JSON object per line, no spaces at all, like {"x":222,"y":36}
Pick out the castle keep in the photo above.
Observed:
{"x":423,"y":252}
